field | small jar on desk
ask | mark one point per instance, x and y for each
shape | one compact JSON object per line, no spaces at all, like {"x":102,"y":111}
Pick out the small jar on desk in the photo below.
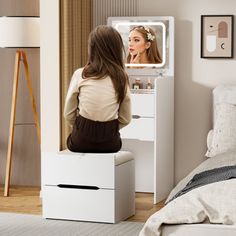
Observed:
{"x":137,"y":84}
{"x":149,"y":84}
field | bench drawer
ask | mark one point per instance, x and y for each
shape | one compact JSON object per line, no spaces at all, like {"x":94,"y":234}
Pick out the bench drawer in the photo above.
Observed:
{"x":78,"y":169}
{"x":78,"y":204}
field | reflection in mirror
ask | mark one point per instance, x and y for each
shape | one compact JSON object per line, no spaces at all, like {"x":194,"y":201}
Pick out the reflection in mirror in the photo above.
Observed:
{"x":143,"y":40}
{"x":143,"y":46}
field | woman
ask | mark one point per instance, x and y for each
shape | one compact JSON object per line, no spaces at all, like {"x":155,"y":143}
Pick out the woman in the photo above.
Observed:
{"x":98,"y":100}
{"x":143,"y":46}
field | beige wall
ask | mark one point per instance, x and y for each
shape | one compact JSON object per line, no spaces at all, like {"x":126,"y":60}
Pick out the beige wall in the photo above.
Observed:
{"x":50,"y":76}
{"x":194,"y":77}
{"x":26,"y":150}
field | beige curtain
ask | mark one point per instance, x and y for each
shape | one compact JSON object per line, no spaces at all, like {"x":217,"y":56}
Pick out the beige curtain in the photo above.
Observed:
{"x":75,"y":25}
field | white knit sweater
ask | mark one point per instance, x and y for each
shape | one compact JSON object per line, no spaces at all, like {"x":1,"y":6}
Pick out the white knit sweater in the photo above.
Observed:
{"x":95,"y":99}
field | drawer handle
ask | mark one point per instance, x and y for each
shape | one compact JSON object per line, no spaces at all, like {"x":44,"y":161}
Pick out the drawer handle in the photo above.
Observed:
{"x":136,"y":116}
{"x":77,"y":186}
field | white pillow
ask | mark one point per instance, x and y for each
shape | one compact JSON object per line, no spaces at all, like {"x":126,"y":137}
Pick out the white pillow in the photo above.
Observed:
{"x":224,"y":134}
{"x":224,"y":93}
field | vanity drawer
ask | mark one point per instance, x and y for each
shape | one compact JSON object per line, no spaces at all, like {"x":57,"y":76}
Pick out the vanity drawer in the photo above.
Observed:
{"x":79,"y":204}
{"x":143,"y":104}
{"x":140,"y":128}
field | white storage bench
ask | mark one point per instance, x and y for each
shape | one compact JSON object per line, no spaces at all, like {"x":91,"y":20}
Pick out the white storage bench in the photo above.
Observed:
{"x":88,"y":186}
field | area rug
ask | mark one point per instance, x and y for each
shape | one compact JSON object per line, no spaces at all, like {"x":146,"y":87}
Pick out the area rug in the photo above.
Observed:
{"x":12,"y":224}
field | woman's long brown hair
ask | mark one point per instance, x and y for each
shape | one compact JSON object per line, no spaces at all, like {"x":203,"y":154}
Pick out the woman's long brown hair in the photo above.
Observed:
{"x":105,"y":58}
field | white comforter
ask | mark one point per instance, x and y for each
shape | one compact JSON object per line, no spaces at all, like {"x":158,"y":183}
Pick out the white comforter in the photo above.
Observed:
{"x":214,"y":203}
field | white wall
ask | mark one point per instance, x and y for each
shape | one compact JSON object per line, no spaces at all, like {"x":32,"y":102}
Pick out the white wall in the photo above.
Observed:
{"x":50,"y":75}
{"x":194,"y":77}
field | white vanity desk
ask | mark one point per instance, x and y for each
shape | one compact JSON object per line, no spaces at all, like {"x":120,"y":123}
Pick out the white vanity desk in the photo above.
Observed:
{"x":150,"y":135}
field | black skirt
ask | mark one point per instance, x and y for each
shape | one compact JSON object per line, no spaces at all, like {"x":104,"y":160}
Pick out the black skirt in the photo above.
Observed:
{"x":94,"y":136}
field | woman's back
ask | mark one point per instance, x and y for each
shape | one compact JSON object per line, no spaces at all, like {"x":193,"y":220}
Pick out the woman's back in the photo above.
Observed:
{"x":97,"y":98}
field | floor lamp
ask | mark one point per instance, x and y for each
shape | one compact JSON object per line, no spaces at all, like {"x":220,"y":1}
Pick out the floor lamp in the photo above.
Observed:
{"x":19,"y":32}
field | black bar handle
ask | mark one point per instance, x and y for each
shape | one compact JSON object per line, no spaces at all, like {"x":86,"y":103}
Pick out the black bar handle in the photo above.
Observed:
{"x":77,"y":186}
{"x":136,"y":116}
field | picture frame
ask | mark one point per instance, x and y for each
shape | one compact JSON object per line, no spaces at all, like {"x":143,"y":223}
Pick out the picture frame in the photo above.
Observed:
{"x":217,"y":36}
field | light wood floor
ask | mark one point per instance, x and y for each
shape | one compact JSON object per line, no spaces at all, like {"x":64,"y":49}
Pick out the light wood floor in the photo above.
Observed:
{"x":26,"y":200}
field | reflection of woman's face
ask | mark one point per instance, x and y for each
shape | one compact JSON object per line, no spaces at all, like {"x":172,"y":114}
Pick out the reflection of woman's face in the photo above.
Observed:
{"x":137,"y":43}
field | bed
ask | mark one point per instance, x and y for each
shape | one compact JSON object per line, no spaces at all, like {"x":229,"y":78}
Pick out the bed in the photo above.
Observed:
{"x":204,"y":202}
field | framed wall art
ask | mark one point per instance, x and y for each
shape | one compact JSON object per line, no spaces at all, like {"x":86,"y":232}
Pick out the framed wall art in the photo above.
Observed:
{"x":217,"y":36}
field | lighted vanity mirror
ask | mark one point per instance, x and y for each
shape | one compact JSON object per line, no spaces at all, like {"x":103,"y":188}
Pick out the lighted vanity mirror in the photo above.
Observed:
{"x":155,"y":32}
{"x":158,"y":31}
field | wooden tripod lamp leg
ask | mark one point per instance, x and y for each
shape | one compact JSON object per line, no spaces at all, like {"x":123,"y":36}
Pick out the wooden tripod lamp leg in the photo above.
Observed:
{"x":19,"y":55}
{"x":12,"y":122}
{"x":30,"y":88}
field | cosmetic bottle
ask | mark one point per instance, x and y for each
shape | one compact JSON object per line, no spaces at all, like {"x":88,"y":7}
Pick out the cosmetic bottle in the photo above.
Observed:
{"x":149,"y":84}
{"x":137,"y":84}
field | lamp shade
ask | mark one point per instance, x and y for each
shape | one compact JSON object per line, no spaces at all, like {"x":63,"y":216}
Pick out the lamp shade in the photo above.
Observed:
{"x":19,"y":32}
